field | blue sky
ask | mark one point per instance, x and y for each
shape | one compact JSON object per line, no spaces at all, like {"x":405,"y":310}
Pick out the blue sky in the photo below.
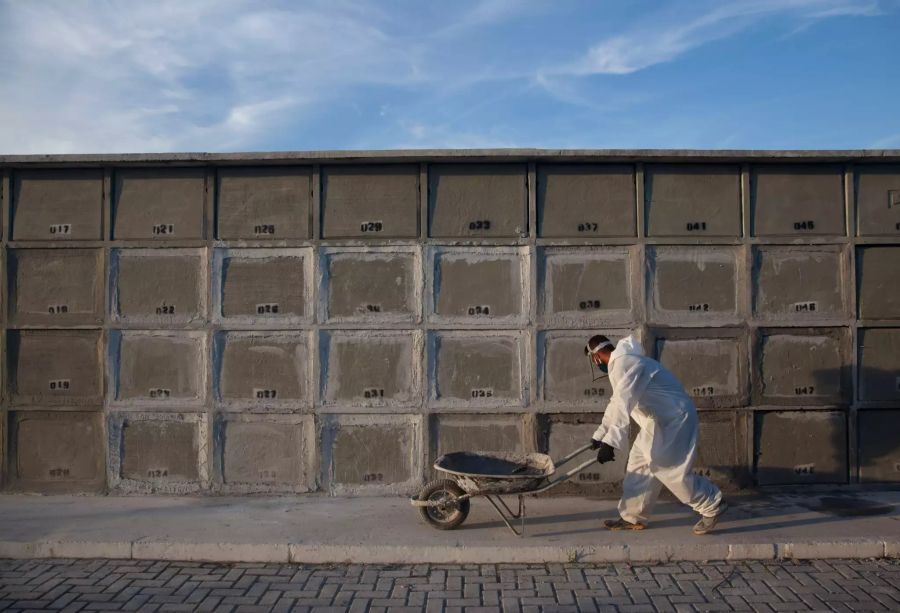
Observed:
{"x":246,"y":75}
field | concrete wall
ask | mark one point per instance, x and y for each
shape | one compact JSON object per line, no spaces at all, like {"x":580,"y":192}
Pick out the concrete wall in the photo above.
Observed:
{"x":334,"y":321}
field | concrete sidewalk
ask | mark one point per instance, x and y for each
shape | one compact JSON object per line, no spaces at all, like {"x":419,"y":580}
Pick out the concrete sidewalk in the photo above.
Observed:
{"x":320,"y":529}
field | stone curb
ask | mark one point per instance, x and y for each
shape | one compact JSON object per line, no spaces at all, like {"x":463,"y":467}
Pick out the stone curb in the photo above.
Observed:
{"x":402,"y":554}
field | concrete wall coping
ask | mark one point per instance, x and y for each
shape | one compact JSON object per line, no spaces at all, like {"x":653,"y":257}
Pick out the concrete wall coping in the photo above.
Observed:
{"x":459,"y":155}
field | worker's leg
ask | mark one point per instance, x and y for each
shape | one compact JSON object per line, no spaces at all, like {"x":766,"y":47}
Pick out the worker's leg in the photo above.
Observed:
{"x":696,"y":491}
{"x":639,"y":488}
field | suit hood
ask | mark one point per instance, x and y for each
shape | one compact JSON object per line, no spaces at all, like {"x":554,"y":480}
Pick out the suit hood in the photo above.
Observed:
{"x":627,"y":346}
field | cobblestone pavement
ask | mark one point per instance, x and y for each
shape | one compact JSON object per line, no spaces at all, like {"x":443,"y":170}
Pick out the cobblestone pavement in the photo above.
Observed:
{"x":90,"y":585}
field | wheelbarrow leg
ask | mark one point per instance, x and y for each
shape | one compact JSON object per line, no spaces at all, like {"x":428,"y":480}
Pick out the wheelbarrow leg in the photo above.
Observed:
{"x":522,"y":511}
{"x":506,"y":513}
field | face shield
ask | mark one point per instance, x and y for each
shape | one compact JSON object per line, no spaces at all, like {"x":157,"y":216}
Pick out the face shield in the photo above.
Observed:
{"x":603,"y":368}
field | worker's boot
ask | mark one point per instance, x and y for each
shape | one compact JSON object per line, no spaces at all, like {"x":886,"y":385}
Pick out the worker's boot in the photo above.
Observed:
{"x":708,"y":524}
{"x":621,"y":524}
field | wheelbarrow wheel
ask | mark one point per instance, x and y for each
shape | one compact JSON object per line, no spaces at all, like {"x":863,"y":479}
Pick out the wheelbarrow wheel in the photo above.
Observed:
{"x":451,"y":511}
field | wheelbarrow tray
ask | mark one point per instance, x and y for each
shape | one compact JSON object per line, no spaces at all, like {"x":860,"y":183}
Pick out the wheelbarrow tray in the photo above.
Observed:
{"x":492,"y":474}
{"x":481,"y":472}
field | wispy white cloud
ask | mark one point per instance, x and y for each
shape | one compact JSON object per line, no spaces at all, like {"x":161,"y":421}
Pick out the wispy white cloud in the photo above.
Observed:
{"x":419,"y":135}
{"x":567,"y":88}
{"x":120,"y":75}
{"x":487,"y":13}
{"x":665,"y":36}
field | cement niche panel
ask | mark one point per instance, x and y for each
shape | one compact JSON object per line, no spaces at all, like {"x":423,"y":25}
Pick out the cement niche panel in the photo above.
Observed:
{"x":60,"y":367}
{"x":800,"y":447}
{"x":380,"y":201}
{"x":711,"y":365}
{"x":55,"y":287}
{"x":878,"y":270}
{"x":159,"y":286}
{"x":370,"y":287}
{"x":57,"y":205}
{"x":585,"y":200}
{"x":480,"y":286}
{"x":586,"y":286}
{"x":802,"y":366}
{"x":159,"y":203}
{"x":561,"y":434}
{"x":476,"y":370}
{"x":371,"y":369}
{"x":158,"y":453}
{"x":879,"y":447}
{"x":263,"y":369}
{"x":722,"y":449}
{"x":160,"y":450}
{"x":264,"y":286}
{"x":693,"y":200}
{"x":264,"y":202}
{"x":56,"y":452}
{"x":468,"y":432}
{"x":478,"y":200}
{"x":798,"y":283}
{"x":878,"y":200}
{"x":692,"y":284}
{"x":797,"y":200}
{"x":372,"y":455}
{"x":158,"y":367}
{"x":566,"y":378}
{"x":266,"y":454}
{"x":879,"y":364}
{"x":451,"y":433}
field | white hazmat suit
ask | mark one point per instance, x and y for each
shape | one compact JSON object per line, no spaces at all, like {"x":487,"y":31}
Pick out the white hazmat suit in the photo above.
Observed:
{"x":666,"y":447}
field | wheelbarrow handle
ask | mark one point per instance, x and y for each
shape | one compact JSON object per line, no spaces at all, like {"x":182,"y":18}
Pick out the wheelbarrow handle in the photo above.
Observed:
{"x":557,"y":479}
{"x":572,"y":455}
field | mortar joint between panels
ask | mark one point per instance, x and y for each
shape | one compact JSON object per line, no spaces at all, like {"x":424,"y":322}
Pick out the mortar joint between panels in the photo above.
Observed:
{"x":479,"y":327}
{"x":155,"y":326}
{"x":86,"y":406}
{"x":184,"y":243}
{"x":145,"y":406}
{"x":805,"y":323}
{"x":677,"y":241}
{"x":480,"y":410}
{"x":248,"y":408}
{"x":368,"y":325}
{"x":673,"y":323}
{"x":806,"y":408}
{"x":285,"y":243}
{"x":347,"y":409}
{"x":800,"y":242}
{"x":478,"y":243}
{"x":28,"y":244}
{"x":60,"y":327}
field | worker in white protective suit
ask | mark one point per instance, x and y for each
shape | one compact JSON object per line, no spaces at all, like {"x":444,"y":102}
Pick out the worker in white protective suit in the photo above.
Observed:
{"x":666,"y":447}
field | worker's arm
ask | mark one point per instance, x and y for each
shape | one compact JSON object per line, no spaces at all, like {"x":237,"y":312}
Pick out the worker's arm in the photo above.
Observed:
{"x":629,"y":379}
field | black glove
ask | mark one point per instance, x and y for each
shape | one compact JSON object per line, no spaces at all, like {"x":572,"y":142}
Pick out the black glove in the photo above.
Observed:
{"x":595,"y":444}
{"x":605,"y":453}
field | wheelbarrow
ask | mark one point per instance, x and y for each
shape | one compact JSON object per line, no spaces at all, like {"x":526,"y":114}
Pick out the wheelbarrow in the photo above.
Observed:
{"x":444,"y":503}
